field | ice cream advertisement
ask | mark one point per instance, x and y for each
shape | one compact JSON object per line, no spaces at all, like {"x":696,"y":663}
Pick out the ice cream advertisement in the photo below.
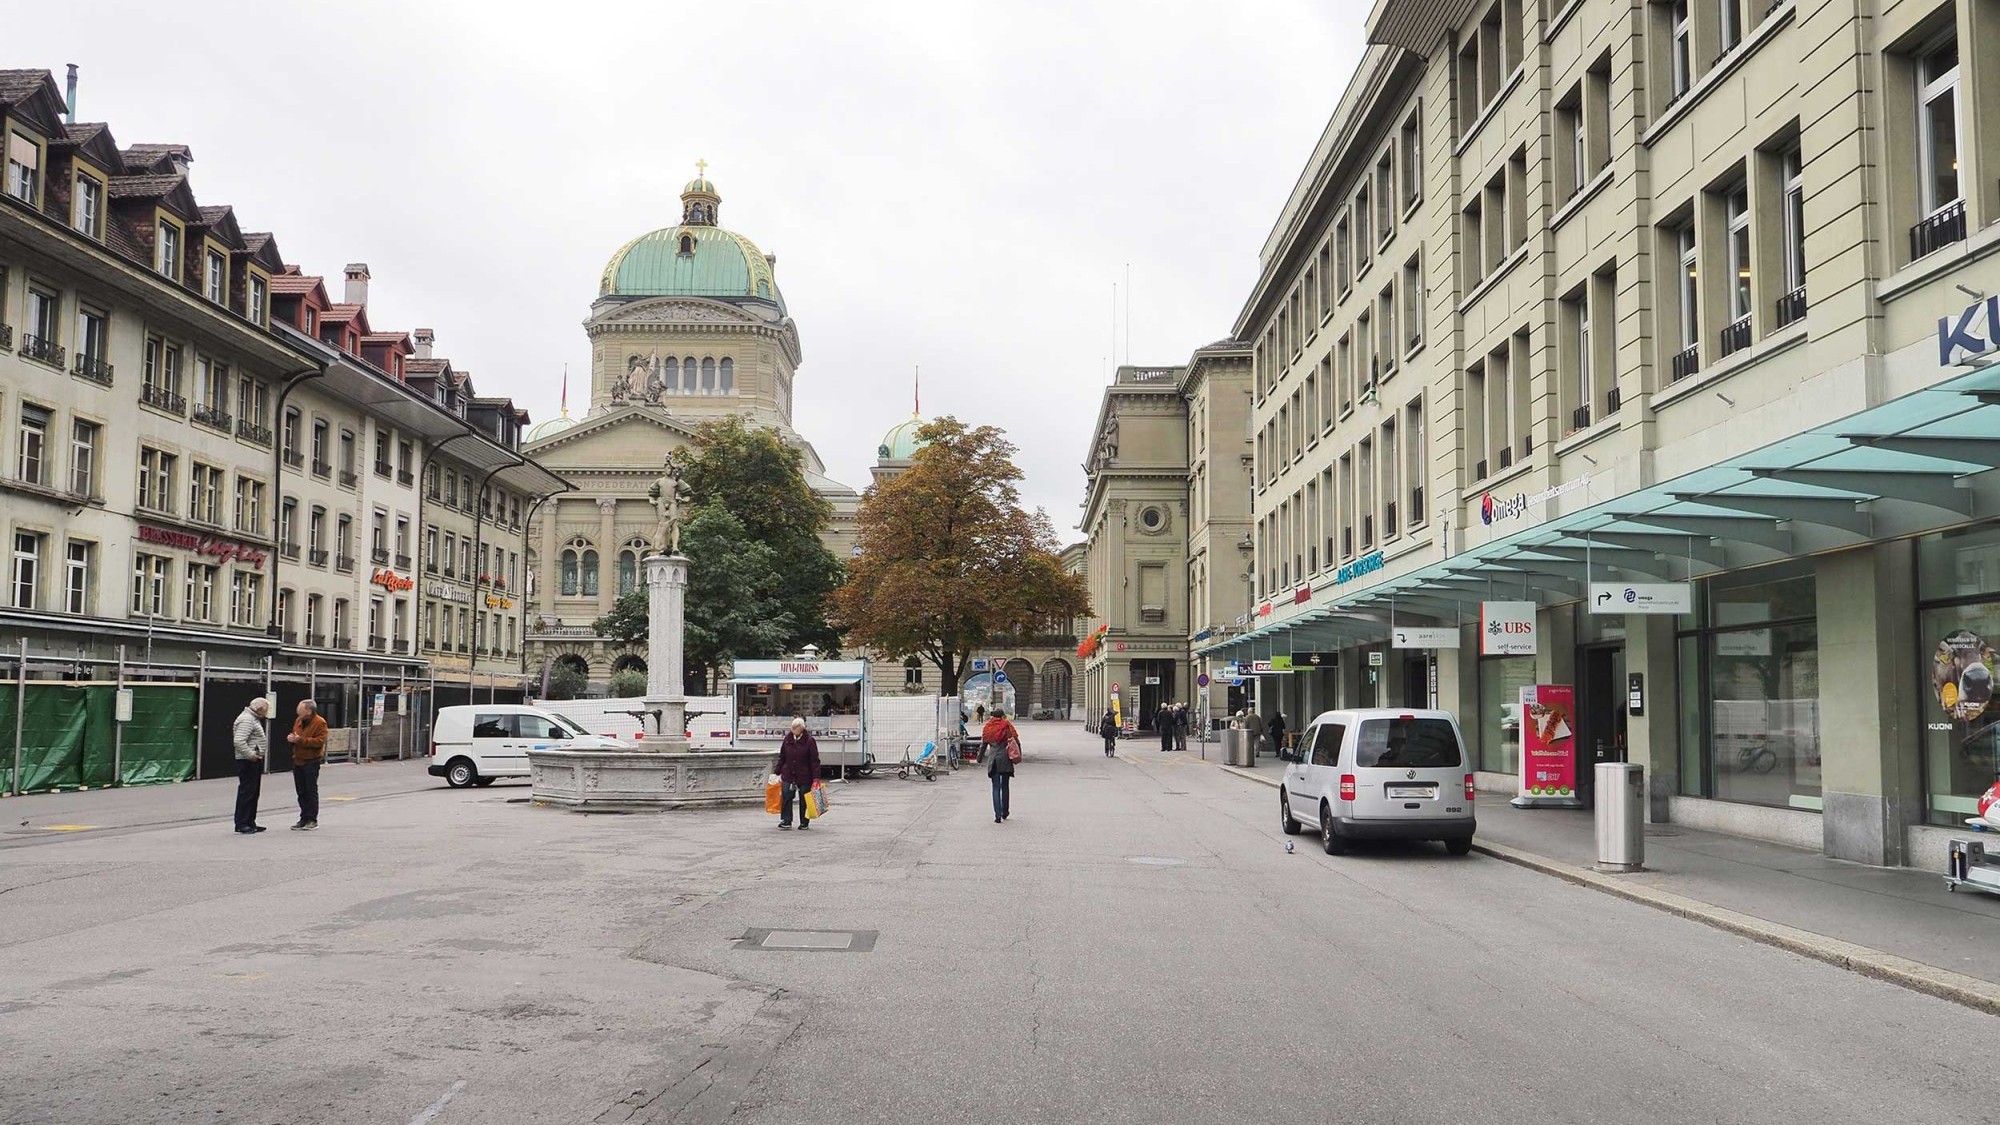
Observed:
{"x":1548,"y":741}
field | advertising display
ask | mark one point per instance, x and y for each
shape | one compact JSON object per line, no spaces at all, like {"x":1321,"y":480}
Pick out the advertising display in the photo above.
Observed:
{"x":1506,"y":628}
{"x":1548,"y":747}
{"x":1962,"y":675}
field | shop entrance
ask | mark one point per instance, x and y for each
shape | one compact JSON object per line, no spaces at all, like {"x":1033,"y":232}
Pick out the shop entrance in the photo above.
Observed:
{"x":1156,"y":686}
{"x":1416,"y":679}
{"x":1600,"y":705}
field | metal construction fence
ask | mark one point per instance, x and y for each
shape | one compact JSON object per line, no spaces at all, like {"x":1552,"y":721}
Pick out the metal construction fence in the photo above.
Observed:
{"x":71,"y":723}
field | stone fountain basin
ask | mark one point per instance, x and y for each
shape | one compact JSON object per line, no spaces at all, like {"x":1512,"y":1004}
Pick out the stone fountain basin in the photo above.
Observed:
{"x":641,"y":781}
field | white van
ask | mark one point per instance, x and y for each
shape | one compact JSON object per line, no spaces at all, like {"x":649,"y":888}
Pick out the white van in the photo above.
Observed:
{"x":479,"y":744}
{"x":1381,"y":774}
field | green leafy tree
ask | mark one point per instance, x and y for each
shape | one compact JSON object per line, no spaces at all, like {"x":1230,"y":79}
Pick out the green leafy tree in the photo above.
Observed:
{"x":737,"y":604}
{"x":950,"y":560}
{"x":627,"y":619}
{"x":566,"y":682}
{"x":627,"y":683}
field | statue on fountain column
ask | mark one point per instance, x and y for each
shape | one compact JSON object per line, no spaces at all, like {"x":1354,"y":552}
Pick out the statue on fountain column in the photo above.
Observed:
{"x":666,"y":497}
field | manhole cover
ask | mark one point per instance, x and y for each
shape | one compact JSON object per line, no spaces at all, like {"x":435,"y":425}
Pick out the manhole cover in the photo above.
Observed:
{"x":808,"y":941}
{"x":1156,"y":860}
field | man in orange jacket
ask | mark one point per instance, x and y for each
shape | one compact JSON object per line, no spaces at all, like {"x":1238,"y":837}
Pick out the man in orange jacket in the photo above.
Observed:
{"x":308,"y":739}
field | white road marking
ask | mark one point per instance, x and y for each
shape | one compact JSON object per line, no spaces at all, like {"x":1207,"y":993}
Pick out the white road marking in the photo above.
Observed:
{"x":430,"y":1112}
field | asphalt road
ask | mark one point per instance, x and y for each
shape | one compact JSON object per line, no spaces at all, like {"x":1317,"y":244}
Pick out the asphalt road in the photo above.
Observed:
{"x":1134,"y":945}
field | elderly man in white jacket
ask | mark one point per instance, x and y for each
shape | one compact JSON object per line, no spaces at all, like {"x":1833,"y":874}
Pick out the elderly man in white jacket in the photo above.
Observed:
{"x":252,"y":742}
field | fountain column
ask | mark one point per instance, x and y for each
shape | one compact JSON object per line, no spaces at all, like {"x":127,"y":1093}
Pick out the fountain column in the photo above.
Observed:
{"x":666,"y":578}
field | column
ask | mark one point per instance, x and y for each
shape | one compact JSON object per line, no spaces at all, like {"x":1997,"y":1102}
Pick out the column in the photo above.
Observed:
{"x":666,"y":619}
{"x":1652,"y":739}
{"x":1870,"y":782}
{"x":1458,"y":689}
{"x":607,"y":553}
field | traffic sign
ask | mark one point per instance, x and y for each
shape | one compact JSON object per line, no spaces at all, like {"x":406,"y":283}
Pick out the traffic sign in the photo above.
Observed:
{"x":1201,"y":680}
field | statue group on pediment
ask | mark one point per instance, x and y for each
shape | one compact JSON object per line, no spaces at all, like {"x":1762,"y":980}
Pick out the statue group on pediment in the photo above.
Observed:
{"x":643,"y":381}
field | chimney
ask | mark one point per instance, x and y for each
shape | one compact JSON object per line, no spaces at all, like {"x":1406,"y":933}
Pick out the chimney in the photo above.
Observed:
{"x":69,"y":114}
{"x":357,"y":284}
{"x":424,"y":337}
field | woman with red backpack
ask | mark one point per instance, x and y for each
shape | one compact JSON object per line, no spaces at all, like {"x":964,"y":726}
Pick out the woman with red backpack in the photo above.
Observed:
{"x":1003,"y":750}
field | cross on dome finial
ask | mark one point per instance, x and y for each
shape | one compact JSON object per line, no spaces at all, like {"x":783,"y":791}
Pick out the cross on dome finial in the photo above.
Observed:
{"x":701,"y":168}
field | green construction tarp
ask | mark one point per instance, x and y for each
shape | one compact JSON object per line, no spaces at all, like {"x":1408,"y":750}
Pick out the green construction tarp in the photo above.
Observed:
{"x":69,"y":736}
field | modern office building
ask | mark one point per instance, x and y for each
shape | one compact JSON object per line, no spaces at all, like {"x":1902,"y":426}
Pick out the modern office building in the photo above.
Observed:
{"x":1607,"y":308}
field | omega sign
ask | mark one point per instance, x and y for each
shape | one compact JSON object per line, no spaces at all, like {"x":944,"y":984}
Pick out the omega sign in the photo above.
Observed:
{"x":222,"y":549}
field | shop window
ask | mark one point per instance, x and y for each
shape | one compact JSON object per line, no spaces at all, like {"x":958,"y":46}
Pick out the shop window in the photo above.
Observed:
{"x":1501,"y":679}
{"x":1755,"y":677}
{"x":1958,"y":582}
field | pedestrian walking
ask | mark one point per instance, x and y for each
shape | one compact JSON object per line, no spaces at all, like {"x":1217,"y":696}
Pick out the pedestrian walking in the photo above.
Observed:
{"x":1254,"y":723}
{"x":1163,"y":725}
{"x":1109,"y":729}
{"x":995,"y":736}
{"x":308,"y":739}
{"x":797,"y":767}
{"x":1180,"y":726}
{"x":1277,"y":728}
{"x":251,"y":741}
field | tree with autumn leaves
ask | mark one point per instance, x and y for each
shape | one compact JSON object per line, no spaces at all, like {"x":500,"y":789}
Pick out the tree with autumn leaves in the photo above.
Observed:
{"x":949,"y":560}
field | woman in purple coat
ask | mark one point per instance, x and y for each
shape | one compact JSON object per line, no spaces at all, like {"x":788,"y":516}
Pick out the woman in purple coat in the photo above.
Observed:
{"x":797,"y":767}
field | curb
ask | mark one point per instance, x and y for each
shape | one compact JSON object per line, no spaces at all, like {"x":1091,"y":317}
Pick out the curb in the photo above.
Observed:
{"x":1969,"y":991}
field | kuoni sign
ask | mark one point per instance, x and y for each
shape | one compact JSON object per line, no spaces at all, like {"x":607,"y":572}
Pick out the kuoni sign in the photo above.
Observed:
{"x":1507,"y":628}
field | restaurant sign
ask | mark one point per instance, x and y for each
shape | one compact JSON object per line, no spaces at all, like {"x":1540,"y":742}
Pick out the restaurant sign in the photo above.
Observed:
{"x":224,"y":550}
{"x":391,"y":581}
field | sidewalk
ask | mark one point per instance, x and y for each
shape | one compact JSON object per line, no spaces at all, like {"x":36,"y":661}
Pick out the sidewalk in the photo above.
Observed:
{"x":1902,"y":912}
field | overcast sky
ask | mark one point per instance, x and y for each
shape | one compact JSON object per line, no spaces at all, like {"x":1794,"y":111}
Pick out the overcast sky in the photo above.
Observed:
{"x":953,"y":185}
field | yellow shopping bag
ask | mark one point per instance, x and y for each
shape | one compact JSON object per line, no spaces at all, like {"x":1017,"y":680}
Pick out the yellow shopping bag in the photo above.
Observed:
{"x":816,"y":801}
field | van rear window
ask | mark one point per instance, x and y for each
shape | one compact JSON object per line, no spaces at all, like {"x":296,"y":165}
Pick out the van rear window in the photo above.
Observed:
{"x":1407,"y":743}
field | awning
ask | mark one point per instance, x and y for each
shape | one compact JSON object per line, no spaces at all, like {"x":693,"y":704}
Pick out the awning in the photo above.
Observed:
{"x":1907,"y":467}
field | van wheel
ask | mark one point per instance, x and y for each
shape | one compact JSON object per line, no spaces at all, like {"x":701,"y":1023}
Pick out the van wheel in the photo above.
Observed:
{"x":485,"y":781}
{"x":1286,"y":821}
{"x":1333,"y":842}
{"x":460,"y":773}
{"x":1459,"y":845}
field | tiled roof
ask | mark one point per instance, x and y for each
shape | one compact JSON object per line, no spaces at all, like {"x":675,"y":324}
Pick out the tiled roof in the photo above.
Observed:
{"x":339,"y":312}
{"x":210,"y":215}
{"x":150,"y":152}
{"x":426,"y":367}
{"x":81,"y":133}
{"x":386,"y":338}
{"x":19,"y":85}
{"x":145,"y":187}
{"x":293,"y":284}
{"x":255,"y":240}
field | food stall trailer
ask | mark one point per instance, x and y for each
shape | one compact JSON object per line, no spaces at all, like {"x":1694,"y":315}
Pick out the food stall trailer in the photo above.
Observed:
{"x":830,"y":695}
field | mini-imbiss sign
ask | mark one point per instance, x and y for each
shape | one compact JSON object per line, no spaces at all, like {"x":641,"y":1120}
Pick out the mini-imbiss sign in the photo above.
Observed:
{"x":208,"y":546}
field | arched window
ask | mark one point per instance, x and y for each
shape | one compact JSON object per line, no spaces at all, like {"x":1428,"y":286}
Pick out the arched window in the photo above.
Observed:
{"x":687,"y":244}
{"x":628,"y":565}
{"x":689,"y":373}
{"x":670,"y":377}
{"x":728,"y":385}
{"x":577,"y":574}
{"x":707,"y":376}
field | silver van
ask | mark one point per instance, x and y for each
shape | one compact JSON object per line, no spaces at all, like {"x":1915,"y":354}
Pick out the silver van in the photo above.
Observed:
{"x":1380,"y":774}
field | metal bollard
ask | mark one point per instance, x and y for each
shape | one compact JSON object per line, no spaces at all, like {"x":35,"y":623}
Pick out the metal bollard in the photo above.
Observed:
{"x":1621,"y":816}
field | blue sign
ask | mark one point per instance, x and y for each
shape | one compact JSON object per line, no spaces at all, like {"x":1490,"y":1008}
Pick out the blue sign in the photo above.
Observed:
{"x":1366,"y":564}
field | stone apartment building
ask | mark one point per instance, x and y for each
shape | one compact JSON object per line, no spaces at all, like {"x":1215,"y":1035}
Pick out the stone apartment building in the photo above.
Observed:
{"x":1576,"y":303}
{"x":204,"y":463}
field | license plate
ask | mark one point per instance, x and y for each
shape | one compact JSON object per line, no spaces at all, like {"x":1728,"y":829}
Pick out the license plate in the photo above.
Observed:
{"x":1412,"y":792}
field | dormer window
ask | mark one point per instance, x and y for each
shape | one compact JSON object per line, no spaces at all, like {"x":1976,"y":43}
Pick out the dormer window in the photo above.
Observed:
{"x":167,"y":250}
{"x":312,"y":320}
{"x":88,"y":210}
{"x":687,"y":244}
{"x":24,"y":164}
{"x":215,"y":277}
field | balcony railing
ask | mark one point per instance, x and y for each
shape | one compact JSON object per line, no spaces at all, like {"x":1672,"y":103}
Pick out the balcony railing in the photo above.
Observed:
{"x":431,"y":567}
{"x":1416,"y":505}
{"x":1506,"y":457}
{"x":1389,"y":524}
{"x":1938,"y":230}
{"x":1791,"y":306}
{"x":449,"y":572}
{"x":1479,"y":470}
{"x":1735,"y":336}
{"x":343,"y":562}
{"x":294,"y":459}
{"x":402,"y":562}
{"x":42,"y":348}
{"x":348,"y":478}
{"x":405,"y":477}
{"x":1579,"y":419}
{"x":160,"y":398}
{"x":316,"y":556}
{"x":316,"y":640}
{"x":252,"y":432}
{"x":1686,"y":362}
{"x":380,"y":555}
{"x":291,"y":636}
{"x":378,"y":644}
{"x":290,"y":551}
{"x":1613,"y":399}
{"x":6,"y":335}
{"x":343,"y":641}
{"x":93,"y":369}
{"x":1367,"y":532}
{"x":212,"y":416}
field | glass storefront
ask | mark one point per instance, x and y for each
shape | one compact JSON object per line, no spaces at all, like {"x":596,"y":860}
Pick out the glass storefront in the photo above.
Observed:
{"x":1501,"y":679}
{"x":1749,"y":683}
{"x":1958,"y":587}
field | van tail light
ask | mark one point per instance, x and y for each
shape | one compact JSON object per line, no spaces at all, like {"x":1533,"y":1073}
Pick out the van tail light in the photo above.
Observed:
{"x":1468,"y":787}
{"x":434,"y":748}
{"x":1347,"y":787}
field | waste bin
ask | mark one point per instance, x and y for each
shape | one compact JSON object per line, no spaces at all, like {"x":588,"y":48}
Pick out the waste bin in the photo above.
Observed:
{"x":1236,"y":747}
{"x":1621,"y":816}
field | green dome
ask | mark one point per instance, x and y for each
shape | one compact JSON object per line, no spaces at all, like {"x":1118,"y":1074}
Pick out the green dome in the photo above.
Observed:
{"x":700,"y":184}
{"x":690,"y":261}
{"x":901,"y":442}
{"x":550,"y":428}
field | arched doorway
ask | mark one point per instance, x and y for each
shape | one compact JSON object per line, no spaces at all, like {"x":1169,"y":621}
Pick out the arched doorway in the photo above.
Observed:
{"x":631,"y":661}
{"x":1021,"y":674}
{"x":1055,"y":687}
